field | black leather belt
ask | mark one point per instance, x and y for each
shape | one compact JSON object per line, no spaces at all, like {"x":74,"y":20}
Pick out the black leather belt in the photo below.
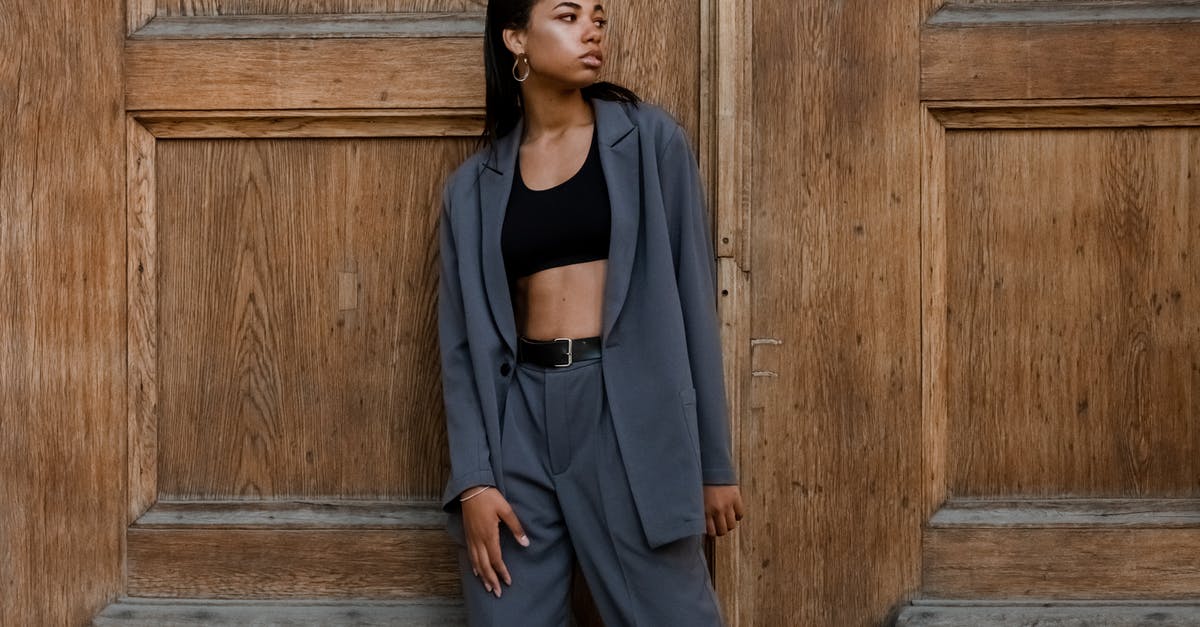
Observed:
{"x":560,"y":352}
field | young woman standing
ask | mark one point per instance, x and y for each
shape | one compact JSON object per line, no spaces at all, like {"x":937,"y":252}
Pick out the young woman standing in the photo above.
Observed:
{"x":580,"y":349}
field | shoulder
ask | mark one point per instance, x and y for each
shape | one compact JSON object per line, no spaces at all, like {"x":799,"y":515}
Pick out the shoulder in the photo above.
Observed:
{"x":462,"y":180}
{"x":465,"y":175}
{"x":656,"y":124}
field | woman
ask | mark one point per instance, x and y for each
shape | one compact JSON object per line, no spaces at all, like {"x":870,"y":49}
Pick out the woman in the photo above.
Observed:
{"x":580,"y":348}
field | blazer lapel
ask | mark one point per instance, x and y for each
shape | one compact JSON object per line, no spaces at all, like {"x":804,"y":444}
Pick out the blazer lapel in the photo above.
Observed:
{"x":495,"y":183}
{"x":620,"y":161}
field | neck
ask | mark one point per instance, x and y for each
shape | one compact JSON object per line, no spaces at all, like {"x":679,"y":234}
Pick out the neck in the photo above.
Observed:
{"x":551,"y":113}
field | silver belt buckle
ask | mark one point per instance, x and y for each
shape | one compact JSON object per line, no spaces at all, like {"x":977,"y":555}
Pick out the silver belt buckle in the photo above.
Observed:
{"x":570,"y":352}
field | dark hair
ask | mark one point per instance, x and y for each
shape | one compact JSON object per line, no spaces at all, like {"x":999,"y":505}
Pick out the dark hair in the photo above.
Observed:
{"x":503,"y":92}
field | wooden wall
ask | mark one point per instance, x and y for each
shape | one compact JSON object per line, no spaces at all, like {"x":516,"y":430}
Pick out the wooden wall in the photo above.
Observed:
{"x":62,"y":308}
{"x":831,"y":447}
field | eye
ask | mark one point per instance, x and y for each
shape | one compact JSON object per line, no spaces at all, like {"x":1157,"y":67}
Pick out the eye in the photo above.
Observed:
{"x":568,"y":15}
{"x":602,"y":22}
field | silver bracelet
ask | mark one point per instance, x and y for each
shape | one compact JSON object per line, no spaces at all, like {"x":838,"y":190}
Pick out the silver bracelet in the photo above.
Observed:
{"x":471,"y":496}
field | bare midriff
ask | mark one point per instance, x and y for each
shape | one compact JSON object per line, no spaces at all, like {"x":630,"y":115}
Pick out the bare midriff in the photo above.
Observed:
{"x":564,"y":301}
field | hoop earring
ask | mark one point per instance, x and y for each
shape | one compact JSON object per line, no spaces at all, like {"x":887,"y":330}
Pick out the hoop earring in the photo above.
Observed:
{"x":528,"y":69}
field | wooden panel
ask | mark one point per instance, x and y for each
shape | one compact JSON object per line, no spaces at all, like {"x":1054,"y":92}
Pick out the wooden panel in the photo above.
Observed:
{"x":141,"y":273}
{"x":1061,"y":50}
{"x":306,"y":514}
{"x":301,"y":73}
{"x":270,"y":384}
{"x":1063,"y":512}
{"x":1087,"y":562}
{"x":292,"y":564}
{"x":832,"y":444}
{"x":948,"y":613}
{"x":62,"y":303}
{"x":313,"y":26}
{"x":353,"y":123}
{"x":229,"y":613}
{"x":1073,"y":312}
{"x":259,"y":7}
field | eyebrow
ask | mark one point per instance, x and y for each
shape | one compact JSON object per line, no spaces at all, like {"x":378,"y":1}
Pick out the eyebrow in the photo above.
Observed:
{"x":575,"y":5}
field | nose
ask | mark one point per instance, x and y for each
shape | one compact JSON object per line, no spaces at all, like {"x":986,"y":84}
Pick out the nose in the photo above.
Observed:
{"x":593,"y":33}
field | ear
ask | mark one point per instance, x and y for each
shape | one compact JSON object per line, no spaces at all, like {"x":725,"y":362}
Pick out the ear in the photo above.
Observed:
{"x":514,"y":40}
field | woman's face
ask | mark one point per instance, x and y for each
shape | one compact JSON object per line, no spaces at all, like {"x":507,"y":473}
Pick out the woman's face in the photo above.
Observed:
{"x":566,"y":41}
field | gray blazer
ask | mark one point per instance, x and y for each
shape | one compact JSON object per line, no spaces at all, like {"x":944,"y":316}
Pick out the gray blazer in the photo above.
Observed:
{"x":662,"y":363}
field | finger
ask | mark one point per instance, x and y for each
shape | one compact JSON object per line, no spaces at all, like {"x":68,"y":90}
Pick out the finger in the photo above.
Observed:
{"x":712,"y":529}
{"x":719,"y":519}
{"x":510,"y":518}
{"x":730,"y":519}
{"x":474,"y":559}
{"x":490,"y":582}
{"x":737,"y":507}
{"x":497,"y":562}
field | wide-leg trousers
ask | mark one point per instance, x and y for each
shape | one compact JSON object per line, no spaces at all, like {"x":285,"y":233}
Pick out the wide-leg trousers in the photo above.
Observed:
{"x":567,"y":485}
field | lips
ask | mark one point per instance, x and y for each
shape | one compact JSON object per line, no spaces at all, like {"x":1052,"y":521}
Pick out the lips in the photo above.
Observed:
{"x":592,"y":58}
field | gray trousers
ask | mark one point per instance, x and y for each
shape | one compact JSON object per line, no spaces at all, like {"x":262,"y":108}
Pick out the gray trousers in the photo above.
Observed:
{"x":565,"y":481}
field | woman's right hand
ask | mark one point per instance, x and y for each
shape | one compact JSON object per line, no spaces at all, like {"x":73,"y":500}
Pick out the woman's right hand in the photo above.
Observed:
{"x":482,"y":515}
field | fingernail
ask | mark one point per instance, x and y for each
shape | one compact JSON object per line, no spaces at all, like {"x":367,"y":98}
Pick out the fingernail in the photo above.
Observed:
{"x":497,"y":592}
{"x":476,"y":571}
{"x":487,"y":586}
{"x":524,"y":540}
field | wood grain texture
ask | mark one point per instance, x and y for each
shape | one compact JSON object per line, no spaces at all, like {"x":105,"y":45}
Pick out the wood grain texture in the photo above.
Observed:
{"x":141,"y":272}
{"x":302,"y":73}
{"x":1128,"y":613}
{"x":305,"y":514}
{"x":1073,"y":325}
{"x":266,"y":387}
{"x":142,"y":612}
{"x":1085,"y":562}
{"x":1051,"y":113}
{"x":1064,"y":512}
{"x":832,"y":536}
{"x":727,"y":554}
{"x":62,"y":300}
{"x":658,"y":59}
{"x":330,"y":123}
{"x":1059,"y":58}
{"x":1025,"y":12}
{"x":313,"y":26}
{"x":292,"y":563}
{"x":265,"y":7}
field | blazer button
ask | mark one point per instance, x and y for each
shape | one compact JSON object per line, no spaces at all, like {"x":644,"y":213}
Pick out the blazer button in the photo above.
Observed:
{"x":504,"y":369}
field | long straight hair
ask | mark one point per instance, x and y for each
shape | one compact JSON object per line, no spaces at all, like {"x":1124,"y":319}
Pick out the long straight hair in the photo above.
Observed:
{"x":503,"y":92}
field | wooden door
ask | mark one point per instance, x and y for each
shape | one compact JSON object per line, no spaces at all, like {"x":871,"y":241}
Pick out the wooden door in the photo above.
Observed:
{"x":285,"y":167}
{"x":255,"y":277}
{"x":975,"y":264}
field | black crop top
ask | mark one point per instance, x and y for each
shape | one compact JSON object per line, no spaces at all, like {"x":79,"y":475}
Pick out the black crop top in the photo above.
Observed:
{"x":565,"y":224}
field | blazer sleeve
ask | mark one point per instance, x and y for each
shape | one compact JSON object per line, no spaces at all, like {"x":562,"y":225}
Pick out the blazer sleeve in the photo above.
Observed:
{"x":469,"y":458}
{"x":696,"y":276}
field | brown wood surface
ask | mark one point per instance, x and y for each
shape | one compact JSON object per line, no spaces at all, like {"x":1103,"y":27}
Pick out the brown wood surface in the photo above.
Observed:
{"x":832,"y":441}
{"x":1073,"y":323}
{"x":302,"y":73}
{"x":1087,"y":562}
{"x":1043,"y":613}
{"x":192,"y":562}
{"x":270,"y":385}
{"x":62,"y":302}
{"x":133,"y":612}
{"x":1061,"y":50}
{"x":263,"y":7}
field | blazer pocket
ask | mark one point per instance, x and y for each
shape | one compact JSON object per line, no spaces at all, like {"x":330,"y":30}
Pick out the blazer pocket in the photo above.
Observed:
{"x":687,"y":399}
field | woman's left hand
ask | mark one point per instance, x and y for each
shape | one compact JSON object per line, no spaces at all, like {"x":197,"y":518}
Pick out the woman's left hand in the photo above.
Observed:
{"x":722,"y":508}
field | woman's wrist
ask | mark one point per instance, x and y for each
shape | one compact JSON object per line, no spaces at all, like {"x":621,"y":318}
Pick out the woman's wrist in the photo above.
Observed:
{"x":473,"y":492}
